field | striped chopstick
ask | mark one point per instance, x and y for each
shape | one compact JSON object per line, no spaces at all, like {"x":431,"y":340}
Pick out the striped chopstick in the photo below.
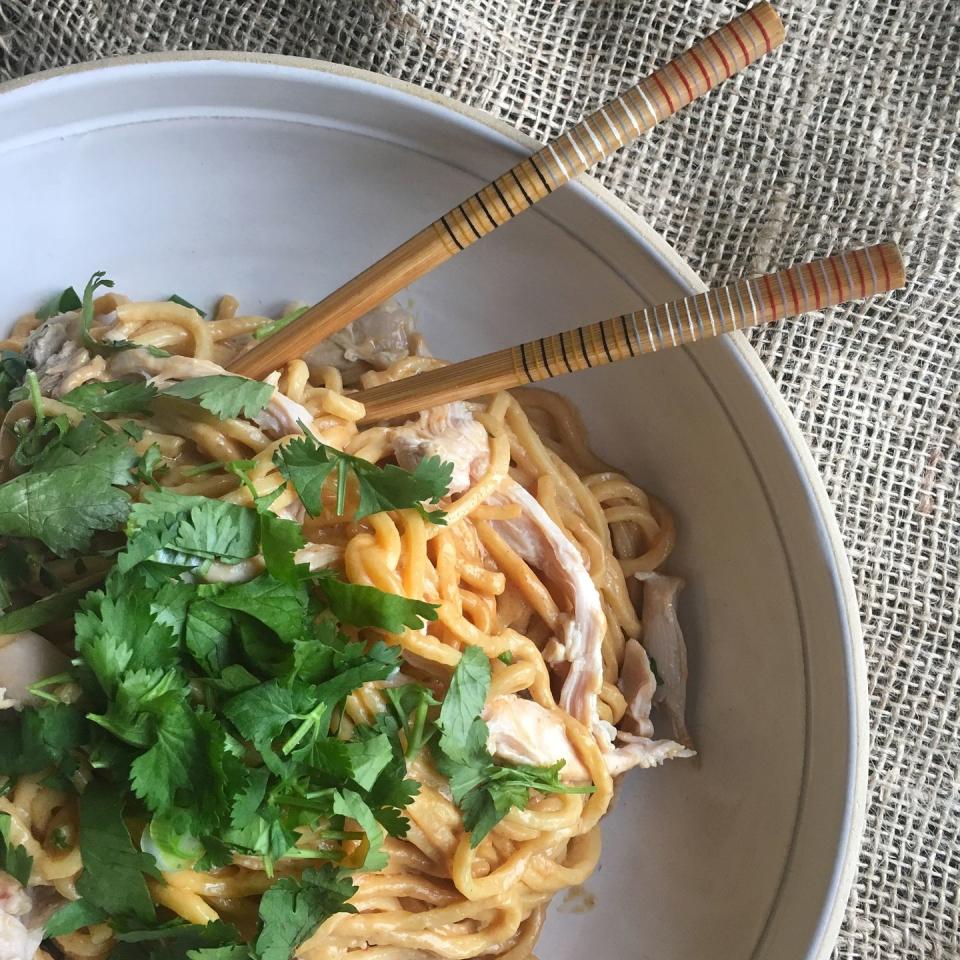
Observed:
{"x":691,"y":75}
{"x":852,"y":275}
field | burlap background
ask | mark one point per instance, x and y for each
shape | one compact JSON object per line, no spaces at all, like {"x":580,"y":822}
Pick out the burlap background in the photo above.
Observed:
{"x":850,"y":133}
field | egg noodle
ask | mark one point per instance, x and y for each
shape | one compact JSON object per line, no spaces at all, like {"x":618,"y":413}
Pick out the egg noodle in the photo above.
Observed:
{"x":438,"y":896}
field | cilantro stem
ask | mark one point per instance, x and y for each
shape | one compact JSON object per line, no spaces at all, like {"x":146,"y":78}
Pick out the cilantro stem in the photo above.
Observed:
{"x":303,"y":803}
{"x":314,"y":718}
{"x":415,"y":734}
{"x":38,"y":689}
{"x":341,"y":486}
{"x":36,"y":397}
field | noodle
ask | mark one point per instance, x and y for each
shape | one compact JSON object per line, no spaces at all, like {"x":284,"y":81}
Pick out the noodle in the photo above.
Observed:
{"x":439,"y":897}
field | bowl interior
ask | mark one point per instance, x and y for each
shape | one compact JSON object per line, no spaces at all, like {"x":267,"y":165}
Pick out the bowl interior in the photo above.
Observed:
{"x":276,"y":182}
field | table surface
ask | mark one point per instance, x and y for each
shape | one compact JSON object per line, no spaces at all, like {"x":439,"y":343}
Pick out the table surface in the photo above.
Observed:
{"x":848,"y":134}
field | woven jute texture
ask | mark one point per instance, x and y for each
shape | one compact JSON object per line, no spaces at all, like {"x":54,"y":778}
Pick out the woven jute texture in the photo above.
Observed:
{"x":849,"y":133}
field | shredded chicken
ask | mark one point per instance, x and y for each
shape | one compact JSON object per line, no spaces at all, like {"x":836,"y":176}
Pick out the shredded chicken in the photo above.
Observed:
{"x":55,"y":351}
{"x":21,"y":929}
{"x":449,"y":432}
{"x":536,"y":538}
{"x":280,"y":418}
{"x":664,"y":643}
{"x":375,"y":340}
{"x":25,"y":659}
{"x":644,"y":753}
{"x":62,"y":363}
{"x":638,"y":685}
{"x":521,"y":731}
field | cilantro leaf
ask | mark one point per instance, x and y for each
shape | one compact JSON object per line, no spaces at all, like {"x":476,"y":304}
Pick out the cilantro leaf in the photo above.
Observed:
{"x":186,"y":531}
{"x":62,"y":302}
{"x":72,"y":916}
{"x":176,"y":760}
{"x":38,"y":737}
{"x":177,"y":940}
{"x":112,"y":397}
{"x":347,"y":803}
{"x":174,"y":298}
{"x":208,"y":636}
{"x":261,"y":713}
{"x":280,"y":606}
{"x":290,"y":911}
{"x":307,"y":463}
{"x":116,"y":630}
{"x":224,"y":395}
{"x":464,"y":701}
{"x":48,"y":610}
{"x":97,"y":280}
{"x":148,"y":464}
{"x":361,"y":761}
{"x":14,"y":859}
{"x":363,"y":606}
{"x":63,"y":507}
{"x":279,"y":541}
{"x":13,"y":370}
{"x":113,"y":872}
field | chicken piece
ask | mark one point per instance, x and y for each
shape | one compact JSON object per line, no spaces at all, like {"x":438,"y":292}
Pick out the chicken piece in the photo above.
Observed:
{"x":161,"y":370}
{"x":522,"y":731}
{"x":21,"y":930}
{"x":543,"y":545}
{"x":281,"y":417}
{"x":638,"y":686}
{"x":663,"y":641}
{"x":449,"y":432}
{"x":25,"y":659}
{"x":55,"y":351}
{"x":644,"y":753}
{"x":375,"y":340}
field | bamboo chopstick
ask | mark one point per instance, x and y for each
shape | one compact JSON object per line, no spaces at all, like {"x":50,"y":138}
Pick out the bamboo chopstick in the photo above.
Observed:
{"x":852,"y":275}
{"x":691,"y":75}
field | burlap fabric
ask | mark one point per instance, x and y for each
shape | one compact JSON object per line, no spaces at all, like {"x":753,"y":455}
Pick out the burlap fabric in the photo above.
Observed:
{"x":849,"y":134}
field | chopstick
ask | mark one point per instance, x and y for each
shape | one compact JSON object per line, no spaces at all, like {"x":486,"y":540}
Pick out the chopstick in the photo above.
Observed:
{"x":852,"y":275}
{"x":691,"y":75}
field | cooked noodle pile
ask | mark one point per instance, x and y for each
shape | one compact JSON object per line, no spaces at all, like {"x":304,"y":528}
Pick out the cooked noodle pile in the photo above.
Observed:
{"x":535,"y":566}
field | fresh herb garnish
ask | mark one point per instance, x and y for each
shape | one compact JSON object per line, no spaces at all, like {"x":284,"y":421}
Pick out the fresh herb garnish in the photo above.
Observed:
{"x":36,"y":614}
{"x":69,"y":495}
{"x":307,"y":463}
{"x":484,"y":790}
{"x":113,"y":876}
{"x":98,"y":280}
{"x":290,"y":911}
{"x":73,"y":916}
{"x":13,"y":370}
{"x":175,"y":298}
{"x":112,"y":397}
{"x":14,"y":859}
{"x":225,"y":396}
{"x":62,"y":302}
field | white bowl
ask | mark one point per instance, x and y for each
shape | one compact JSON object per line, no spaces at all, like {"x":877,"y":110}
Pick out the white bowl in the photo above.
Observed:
{"x":278,"y":178}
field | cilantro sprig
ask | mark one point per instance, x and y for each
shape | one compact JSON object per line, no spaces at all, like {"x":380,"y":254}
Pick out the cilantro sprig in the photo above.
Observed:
{"x":307,"y":464}
{"x":224,"y":395}
{"x":484,"y":789}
